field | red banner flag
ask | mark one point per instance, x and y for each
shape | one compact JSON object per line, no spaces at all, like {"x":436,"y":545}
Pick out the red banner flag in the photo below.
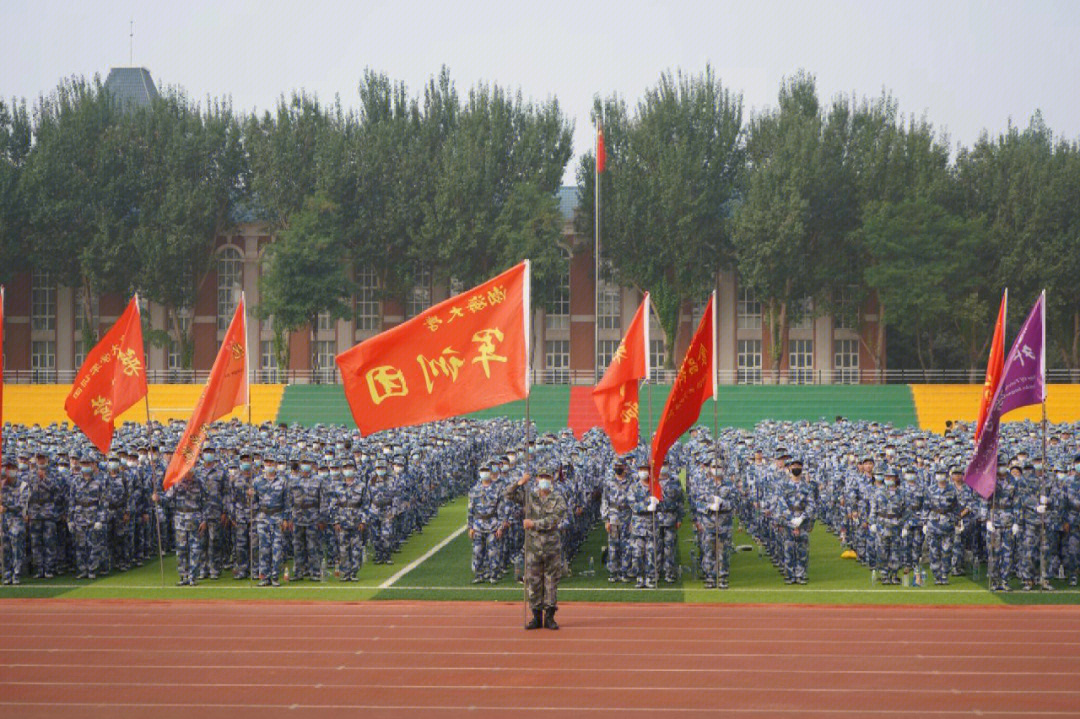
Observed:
{"x":464,"y":354}
{"x":601,"y":151}
{"x":616,"y":395}
{"x":111,"y":379}
{"x":695,"y":383}
{"x":226,"y":389}
{"x":993,"y":366}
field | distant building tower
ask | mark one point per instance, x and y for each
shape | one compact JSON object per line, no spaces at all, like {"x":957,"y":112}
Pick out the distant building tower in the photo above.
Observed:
{"x":131,"y":86}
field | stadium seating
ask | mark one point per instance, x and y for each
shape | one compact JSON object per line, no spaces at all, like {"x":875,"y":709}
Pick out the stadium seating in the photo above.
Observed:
{"x":936,"y":404}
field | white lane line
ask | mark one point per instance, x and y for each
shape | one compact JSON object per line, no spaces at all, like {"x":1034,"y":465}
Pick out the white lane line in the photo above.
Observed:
{"x":757,"y":686}
{"x":786,"y":641}
{"x":473,"y":708}
{"x":530,"y":653}
{"x":515,"y":670}
{"x":427,"y":555}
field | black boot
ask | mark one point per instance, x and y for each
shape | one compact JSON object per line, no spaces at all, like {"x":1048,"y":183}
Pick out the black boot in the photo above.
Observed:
{"x":549,"y":618}
{"x":537,"y":620}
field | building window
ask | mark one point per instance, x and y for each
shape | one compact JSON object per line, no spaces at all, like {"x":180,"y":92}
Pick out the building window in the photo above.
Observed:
{"x":268,"y":364}
{"x":801,"y":361}
{"x":846,"y":361}
{"x":845,"y":318}
{"x":604,"y":353}
{"x":749,"y":310}
{"x":456,"y":287}
{"x":420,"y":295}
{"x":803,"y":315}
{"x":610,"y":307}
{"x":557,"y":316}
{"x":749,"y":362}
{"x":43,"y":360}
{"x":324,"y":360}
{"x":80,"y":354}
{"x":230,"y":276}
{"x":324,"y":321}
{"x":557,"y":361}
{"x":42,"y":301}
{"x":697,"y":312}
{"x":183,"y":319}
{"x":657,"y":357}
{"x":368,"y":307}
{"x":80,"y":311}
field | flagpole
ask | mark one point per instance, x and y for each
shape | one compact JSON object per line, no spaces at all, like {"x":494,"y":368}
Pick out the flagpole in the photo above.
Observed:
{"x":596,"y":263}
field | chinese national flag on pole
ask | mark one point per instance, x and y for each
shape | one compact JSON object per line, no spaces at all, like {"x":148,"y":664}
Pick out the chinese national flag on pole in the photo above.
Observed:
{"x":111,"y":379}
{"x":464,"y":354}
{"x":601,"y":151}
{"x":993,"y":366}
{"x":695,"y":383}
{"x":226,"y":389}
{"x":616,"y":395}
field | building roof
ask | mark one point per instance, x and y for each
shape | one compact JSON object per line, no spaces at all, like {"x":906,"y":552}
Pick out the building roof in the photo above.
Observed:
{"x":131,"y":85}
{"x":568,"y":201}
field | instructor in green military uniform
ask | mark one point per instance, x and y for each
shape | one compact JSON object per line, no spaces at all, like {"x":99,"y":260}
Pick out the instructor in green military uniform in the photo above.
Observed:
{"x":545,"y":512}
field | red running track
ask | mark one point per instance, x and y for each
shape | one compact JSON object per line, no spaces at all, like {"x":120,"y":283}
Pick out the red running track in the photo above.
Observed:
{"x":441,"y":659}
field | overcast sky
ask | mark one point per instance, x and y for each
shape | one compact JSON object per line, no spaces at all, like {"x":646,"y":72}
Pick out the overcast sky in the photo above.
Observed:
{"x":966,"y":66}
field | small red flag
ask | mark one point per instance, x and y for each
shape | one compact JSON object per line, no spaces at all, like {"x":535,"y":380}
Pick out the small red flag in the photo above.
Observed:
{"x":464,"y":354}
{"x":695,"y":383}
{"x":226,"y":389}
{"x":616,"y":395}
{"x":111,"y":379}
{"x":601,"y":151}
{"x":993,"y":366}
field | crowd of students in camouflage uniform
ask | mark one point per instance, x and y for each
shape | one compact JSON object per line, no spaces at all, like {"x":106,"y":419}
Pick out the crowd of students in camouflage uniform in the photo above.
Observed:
{"x":257,"y":497}
{"x":323,"y":496}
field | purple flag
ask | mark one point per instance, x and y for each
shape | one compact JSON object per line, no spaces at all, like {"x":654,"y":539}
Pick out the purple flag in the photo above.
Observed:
{"x":1023,"y":383}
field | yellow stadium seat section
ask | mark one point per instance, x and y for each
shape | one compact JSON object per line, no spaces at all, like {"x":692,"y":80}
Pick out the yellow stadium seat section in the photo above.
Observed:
{"x":44,"y":404}
{"x":937,"y":403}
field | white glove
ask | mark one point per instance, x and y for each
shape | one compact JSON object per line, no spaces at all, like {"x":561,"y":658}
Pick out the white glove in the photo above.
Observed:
{"x":904,"y":532}
{"x":797,"y":522}
{"x":926,"y":529}
{"x":97,"y":525}
{"x":1016,"y":528}
{"x":989,"y":526}
{"x":1040,"y":509}
{"x":653,"y":504}
{"x":1043,"y":499}
{"x":715,"y":506}
{"x":960,"y":527}
{"x":873,"y":529}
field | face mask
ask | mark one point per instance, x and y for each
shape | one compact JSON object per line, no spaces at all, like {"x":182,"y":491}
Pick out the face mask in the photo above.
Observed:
{"x":349,"y":473}
{"x":245,"y":466}
{"x":380,"y":472}
{"x":86,"y":470}
{"x":544,"y":484}
{"x":485,"y":475}
{"x":282,"y":467}
{"x":1076,"y":467}
{"x":642,"y":474}
{"x":398,"y":469}
{"x":208,"y":458}
{"x":114,"y":466}
{"x":1038,"y":466}
{"x":796,"y":471}
{"x":22,"y":465}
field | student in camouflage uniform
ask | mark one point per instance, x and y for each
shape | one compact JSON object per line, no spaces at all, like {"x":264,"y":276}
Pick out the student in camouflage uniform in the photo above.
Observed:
{"x":44,"y":508}
{"x":616,"y":514}
{"x":643,"y":505}
{"x":668,"y":521}
{"x":484,"y":523}
{"x":545,"y":512}
{"x":273,"y":504}
{"x":14,"y":494}
{"x":188,"y":501}
{"x":86,"y":518}
{"x":713,"y":504}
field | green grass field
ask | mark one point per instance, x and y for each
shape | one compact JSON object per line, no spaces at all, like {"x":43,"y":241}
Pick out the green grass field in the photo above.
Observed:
{"x":446,"y":575}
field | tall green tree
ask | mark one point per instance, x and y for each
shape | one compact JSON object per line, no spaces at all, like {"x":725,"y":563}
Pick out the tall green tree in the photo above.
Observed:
{"x":671,"y":183}
{"x":15,"y":138}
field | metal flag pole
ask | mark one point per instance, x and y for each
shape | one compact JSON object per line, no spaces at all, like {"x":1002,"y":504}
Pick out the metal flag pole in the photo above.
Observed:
{"x":596,"y":263}
{"x":1042,"y":493}
{"x":157,"y":520}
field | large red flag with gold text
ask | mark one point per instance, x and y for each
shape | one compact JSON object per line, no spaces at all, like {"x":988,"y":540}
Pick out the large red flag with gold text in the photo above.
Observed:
{"x":464,"y":354}
{"x":994,"y":366}
{"x":226,"y":389}
{"x":616,"y":396}
{"x":695,"y":383}
{"x":111,"y":379}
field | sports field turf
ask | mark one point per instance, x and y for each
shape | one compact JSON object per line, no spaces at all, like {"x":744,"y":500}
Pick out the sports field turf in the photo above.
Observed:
{"x":446,"y":575}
